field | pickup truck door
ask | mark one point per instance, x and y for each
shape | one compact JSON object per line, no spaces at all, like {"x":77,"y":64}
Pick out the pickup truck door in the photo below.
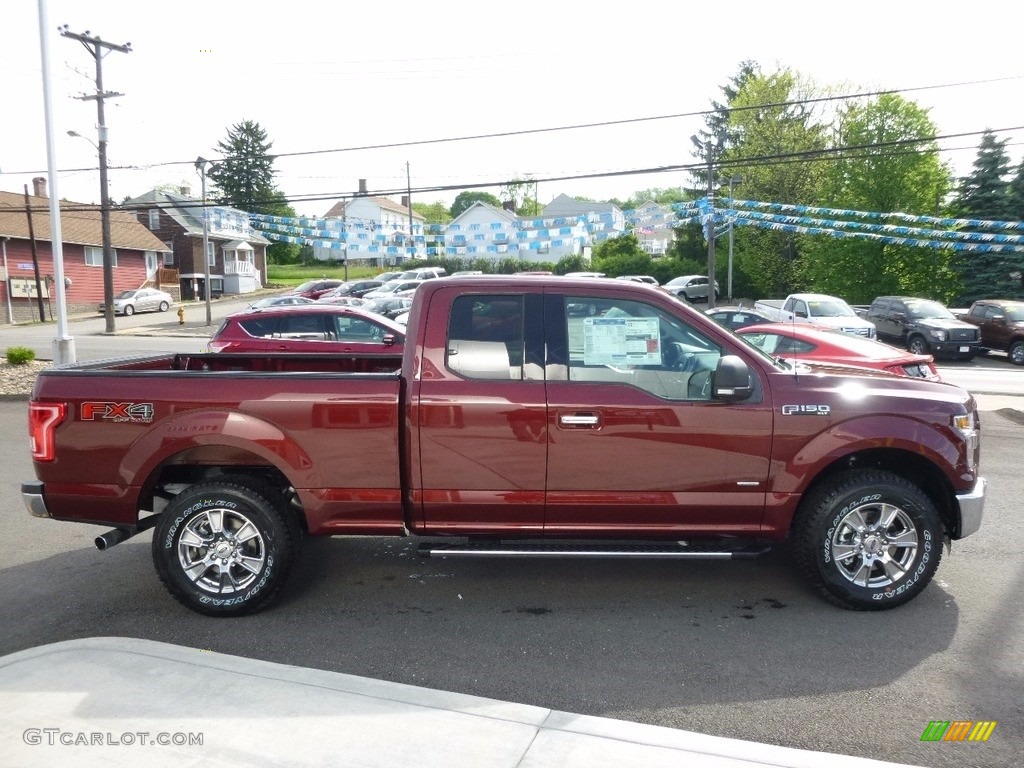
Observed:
{"x":636,"y":444}
{"x":478,"y":426}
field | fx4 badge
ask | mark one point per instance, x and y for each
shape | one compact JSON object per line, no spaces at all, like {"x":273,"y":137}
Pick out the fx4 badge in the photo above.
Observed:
{"x":810,"y":410}
{"x":134,"y":412}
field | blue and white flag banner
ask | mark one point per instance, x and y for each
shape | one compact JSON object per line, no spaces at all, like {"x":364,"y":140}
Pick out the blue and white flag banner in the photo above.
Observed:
{"x":888,"y":229}
{"x":887,"y":240}
{"x":849,"y":214}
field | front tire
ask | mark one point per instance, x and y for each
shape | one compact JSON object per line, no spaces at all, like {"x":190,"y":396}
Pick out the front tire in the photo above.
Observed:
{"x":164,"y":306}
{"x":918,"y":346}
{"x":225,"y":548}
{"x":129,"y":310}
{"x":868,"y":540}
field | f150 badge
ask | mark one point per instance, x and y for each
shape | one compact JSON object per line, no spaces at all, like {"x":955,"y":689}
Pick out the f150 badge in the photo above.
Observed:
{"x":809,"y":410}
{"x":134,"y":412}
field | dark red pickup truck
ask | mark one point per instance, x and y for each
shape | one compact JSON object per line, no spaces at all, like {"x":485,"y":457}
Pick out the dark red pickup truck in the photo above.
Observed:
{"x":527,"y":415}
{"x":1002,"y":326}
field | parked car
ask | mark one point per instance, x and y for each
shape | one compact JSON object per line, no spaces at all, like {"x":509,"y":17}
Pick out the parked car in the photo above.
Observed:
{"x":392,"y":287}
{"x":140,"y":300}
{"x":639,"y":279}
{"x":341,"y":301}
{"x":314,"y":289}
{"x":584,"y":274}
{"x":388,"y":307}
{"x":690,"y":287}
{"x":308,"y":328}
{"x":799,"y":341}
{"x":737,"y":317}
{"x":285,"y":300}
{"x":421,"y":273}
{"x":383,"y":277}
{"x":355,"y":288}
{"x":923,"y":326}
{"x":1001,"y":323}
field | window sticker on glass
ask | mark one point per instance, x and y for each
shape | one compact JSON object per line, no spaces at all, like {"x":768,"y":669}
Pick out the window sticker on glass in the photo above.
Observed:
{"x":621,"y":341}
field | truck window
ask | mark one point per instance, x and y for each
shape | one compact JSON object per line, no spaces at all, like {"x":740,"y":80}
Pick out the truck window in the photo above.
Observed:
{"x":633,"y":343}
{"x":485,"y":337}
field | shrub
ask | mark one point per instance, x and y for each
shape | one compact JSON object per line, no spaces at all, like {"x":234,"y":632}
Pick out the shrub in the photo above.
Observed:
{"x":20,"y":355}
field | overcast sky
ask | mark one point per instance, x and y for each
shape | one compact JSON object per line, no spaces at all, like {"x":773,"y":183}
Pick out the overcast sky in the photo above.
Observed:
{"x":321,"y":76}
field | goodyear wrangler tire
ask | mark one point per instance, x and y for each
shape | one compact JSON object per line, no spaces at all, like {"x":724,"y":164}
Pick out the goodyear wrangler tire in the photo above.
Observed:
{"x":225,"y":548}
{"x":868,"y":540}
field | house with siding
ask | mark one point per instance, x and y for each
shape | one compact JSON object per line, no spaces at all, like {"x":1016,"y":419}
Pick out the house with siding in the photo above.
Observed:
{"x":483,"y":231}
{"x":374,"y":229}
{"x":236,"y":253}
{"x":137,"y":253}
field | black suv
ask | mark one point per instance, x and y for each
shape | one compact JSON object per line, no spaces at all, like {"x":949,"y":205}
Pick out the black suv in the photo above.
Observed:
{"x":923,"y":326}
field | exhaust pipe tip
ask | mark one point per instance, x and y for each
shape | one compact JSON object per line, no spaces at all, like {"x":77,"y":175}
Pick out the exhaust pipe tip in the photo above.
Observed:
{"x":110,"y":538}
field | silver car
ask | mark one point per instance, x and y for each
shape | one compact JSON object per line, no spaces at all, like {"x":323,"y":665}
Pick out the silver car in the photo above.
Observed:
{"x":140,"y":300}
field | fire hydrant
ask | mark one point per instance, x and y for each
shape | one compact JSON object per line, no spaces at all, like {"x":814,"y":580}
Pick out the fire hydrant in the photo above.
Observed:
{"x":181,"y":315}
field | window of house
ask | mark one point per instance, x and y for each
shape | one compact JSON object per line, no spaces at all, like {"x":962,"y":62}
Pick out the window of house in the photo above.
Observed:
{"x":94,"y":256}
{"x":211,"y":253}
{"x":616,"y":341}
{"x":154,"y":218}
{"x":485,"y":337}
{"x":168,"y":256}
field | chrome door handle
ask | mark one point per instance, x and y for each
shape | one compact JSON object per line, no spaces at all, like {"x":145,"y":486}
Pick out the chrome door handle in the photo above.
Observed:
{"x":578,"y":420}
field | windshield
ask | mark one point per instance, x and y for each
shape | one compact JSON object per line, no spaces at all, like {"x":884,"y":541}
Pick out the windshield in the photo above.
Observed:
{"x":126,"y":295}
{"x":830,"y":308}
{"x":924,"y":310}
{"x":306,"y":286}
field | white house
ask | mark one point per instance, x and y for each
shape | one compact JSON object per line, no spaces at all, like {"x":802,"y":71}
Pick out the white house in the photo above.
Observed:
{"x":653,"y":226}
{"x":374,"y":228}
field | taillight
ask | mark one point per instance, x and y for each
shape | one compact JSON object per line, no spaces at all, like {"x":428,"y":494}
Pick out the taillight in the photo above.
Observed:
{"x":43,"y":419}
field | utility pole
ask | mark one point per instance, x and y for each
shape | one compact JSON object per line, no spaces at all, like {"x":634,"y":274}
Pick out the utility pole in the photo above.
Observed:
{"x":408,"y":199}
{"x":96,"y":48}
{"x":734,"y":179}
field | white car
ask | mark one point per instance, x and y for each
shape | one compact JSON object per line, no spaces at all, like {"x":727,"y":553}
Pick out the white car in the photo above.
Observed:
{"x":140,"y":300}
{"x":690,"y":287}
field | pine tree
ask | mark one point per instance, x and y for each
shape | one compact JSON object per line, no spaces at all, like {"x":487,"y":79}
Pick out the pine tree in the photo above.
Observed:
{"x":985,"y":193}
{"x":245,"y":179}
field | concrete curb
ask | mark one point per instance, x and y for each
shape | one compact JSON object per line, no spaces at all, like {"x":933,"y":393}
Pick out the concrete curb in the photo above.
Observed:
{"x":257,"y":713}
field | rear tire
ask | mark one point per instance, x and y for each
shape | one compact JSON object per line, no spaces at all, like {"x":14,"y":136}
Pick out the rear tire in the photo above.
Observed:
{"x":129,"y":310}
{"x":164,"y":306}
{"x":868,"y":540}
{"x":226,"y":547}
{"x":1017,"y":353}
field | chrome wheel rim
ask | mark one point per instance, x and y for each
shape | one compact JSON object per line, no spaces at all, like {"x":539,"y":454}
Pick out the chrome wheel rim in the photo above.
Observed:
{"x":221,"y":551}
{"x":874,"y":545}
{"x":1017,"y":354}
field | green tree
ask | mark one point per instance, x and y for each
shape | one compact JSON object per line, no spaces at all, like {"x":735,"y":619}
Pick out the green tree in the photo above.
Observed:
{"x":987,"y":193}
{"x":721,"y":131}
{"x":244,"y":179}
{"x":245,"y":175}
{"x":876,"y":175}
{"x":517,"y":193}
{"x":771,"y":129}
{"x":465,"y":199}
{"x":433,"y":213}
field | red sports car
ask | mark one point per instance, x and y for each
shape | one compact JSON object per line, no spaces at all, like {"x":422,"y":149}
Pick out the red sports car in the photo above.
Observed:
{"x":800,"y":341}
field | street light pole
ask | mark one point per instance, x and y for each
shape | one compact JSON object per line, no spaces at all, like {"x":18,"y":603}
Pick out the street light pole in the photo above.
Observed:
{"x":705,"y":146}
{"x":734,"y":179}
{"x":201,"y":167}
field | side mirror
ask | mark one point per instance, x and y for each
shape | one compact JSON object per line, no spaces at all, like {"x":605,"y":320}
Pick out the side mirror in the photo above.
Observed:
{"x":733,"y":380}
